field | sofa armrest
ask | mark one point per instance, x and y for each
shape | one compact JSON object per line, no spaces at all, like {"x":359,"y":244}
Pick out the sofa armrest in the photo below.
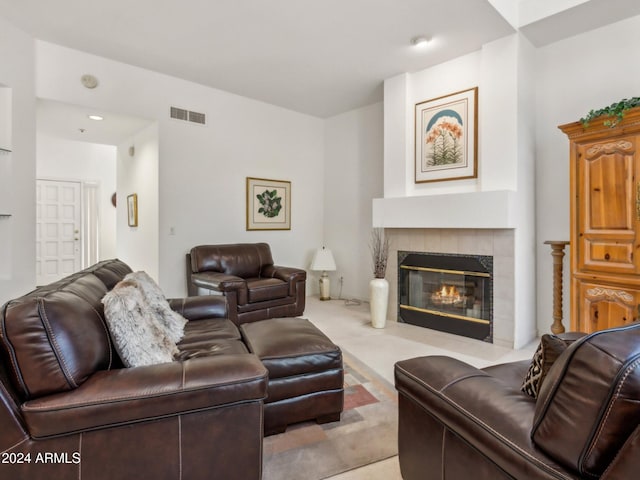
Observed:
{"x":490,"y":415}
{"x":219,"y":282}
{"x":203,"y":306}
{"x":287,"y":274}
{"x":129,"y":395}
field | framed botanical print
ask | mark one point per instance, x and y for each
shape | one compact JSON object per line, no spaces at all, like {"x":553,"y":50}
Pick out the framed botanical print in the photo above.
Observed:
{"x":446,"y":137}
{"x":268,"y":204}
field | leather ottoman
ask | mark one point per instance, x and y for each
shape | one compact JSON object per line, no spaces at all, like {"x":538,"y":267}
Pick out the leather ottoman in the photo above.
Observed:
{"x":306,"y":375}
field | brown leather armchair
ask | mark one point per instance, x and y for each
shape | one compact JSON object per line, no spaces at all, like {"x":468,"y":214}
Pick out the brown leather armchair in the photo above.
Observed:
{"x":458,"y":422}
{"x":255,"y":288}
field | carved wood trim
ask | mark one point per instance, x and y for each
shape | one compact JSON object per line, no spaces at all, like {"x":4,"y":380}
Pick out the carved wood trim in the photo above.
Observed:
{"x":599,"y":293}
{"x":623,"y":146}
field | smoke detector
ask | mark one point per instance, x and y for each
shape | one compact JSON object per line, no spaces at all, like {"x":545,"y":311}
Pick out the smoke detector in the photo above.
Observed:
{"x":89,"y":81}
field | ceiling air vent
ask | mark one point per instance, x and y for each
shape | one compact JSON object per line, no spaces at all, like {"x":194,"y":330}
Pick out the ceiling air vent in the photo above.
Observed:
{"x":196,"y":117}
{"x":188,"y":116}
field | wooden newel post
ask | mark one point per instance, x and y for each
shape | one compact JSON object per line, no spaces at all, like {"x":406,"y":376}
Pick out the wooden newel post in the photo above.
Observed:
{"x":557,"y":252}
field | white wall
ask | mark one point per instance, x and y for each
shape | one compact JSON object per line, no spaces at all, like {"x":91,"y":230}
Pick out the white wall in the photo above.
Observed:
{"x":501,"y":70}
{"x":60,"y":159}
{"x":494,"y":71}
{"x":575,"y":75}
{"x":401,"y":93}
{"x":6,"y":94}
{"x":353,"y":178}
{"x":456,"y":75}
{"x":17,"y":233}
{"x":138,"y":174}
{"x":202,"y":170}
{"x":527,"y":327}
{"x":530,"y":11}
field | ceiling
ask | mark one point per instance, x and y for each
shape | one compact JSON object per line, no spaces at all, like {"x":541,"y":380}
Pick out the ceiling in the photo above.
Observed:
{"x":316,"y":57}
{"x":72,"y":122}
{"x":320,"y":58}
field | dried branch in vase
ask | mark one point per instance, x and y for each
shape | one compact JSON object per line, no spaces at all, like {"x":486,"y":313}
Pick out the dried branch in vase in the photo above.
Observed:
{"x":379,"y":252}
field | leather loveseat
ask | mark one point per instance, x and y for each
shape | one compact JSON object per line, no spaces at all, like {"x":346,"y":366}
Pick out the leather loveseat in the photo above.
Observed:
{"x":255,"y":288}
{"x":458,"y":422}
{"x":69,"y":409}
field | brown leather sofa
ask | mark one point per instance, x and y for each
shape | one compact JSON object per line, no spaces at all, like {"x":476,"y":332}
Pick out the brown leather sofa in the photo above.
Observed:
{"x":69,"y":409}
{"x":459,"y":422}
{"x":255,"y":288}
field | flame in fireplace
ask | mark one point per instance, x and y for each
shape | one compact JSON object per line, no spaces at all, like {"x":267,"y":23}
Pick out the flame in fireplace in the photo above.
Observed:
{"x":448,"y":295}
{"x":449,"y":291}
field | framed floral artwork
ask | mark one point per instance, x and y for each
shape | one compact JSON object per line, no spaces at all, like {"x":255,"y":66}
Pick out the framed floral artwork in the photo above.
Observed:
{"x":446,"y":136}
{"x":268,"y":204}
{"x":132,"y":210}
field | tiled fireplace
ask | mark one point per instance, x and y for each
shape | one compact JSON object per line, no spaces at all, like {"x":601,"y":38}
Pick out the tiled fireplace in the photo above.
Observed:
{"x":496,"y":244}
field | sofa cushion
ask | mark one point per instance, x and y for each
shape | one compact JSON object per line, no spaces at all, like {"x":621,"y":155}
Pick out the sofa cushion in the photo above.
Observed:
{"x":54,"y":342}
{"x":210,"y":329}
{"x":205,"y":338}
{"x":263,"y":289}
{"x":209,"y":348}
{"x":136,"y":332}
{"x":548,"y":351}
{"x":588,"y":404}
{"x":170,"y":321}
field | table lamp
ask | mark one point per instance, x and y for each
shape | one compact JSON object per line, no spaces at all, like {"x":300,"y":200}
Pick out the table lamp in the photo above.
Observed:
{"x":323,"y":261}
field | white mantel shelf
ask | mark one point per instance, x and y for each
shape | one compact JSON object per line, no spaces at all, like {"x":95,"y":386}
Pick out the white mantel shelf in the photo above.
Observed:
{"x":491,"y":210}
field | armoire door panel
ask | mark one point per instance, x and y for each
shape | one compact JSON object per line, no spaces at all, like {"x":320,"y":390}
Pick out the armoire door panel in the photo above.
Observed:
{"x":613,"y":255}
{"x":606,"y":217}
{"x":606,"y":306}
{"x":608,"y":191}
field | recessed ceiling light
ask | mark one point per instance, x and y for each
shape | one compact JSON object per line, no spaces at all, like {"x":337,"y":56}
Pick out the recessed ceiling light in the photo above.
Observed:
{"x":95,"y":117}
{"x":420,"y":41}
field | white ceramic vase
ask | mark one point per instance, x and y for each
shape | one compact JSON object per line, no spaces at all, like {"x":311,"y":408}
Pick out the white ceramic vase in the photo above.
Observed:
{"x":378,"y":300}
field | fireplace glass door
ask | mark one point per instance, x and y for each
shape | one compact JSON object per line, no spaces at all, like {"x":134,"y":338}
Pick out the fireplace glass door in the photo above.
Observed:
{"x":451,"y":293}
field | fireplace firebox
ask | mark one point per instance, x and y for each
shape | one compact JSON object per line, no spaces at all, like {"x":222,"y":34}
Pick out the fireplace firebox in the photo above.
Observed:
{"x":448,"y":292}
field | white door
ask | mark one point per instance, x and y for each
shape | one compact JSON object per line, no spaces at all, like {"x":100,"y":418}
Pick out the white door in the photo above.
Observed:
{"x":58,"y":209}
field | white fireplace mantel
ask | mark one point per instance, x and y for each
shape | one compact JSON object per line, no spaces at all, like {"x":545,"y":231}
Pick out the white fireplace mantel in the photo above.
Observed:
{"x":490,"y":209}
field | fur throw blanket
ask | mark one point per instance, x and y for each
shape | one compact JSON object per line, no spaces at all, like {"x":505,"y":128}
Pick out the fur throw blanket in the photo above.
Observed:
{"x":144,"y":328}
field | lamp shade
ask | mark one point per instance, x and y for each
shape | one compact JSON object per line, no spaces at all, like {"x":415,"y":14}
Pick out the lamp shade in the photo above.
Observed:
{"x":323,"y":260}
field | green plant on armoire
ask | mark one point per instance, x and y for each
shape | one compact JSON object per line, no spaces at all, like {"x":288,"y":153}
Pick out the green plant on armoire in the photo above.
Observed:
{"x":614,"y":112}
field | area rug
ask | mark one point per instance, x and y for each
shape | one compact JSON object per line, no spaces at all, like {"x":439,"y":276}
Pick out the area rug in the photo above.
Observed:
{"x":366,"y":433}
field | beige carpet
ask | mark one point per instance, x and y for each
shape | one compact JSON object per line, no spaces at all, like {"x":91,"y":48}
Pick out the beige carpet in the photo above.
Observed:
{"x":366,"y":433}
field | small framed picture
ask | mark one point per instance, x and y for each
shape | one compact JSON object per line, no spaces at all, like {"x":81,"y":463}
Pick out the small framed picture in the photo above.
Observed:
{"x":268,"y":204}
{"x":132,"y":210}
{"x":446,"y":137}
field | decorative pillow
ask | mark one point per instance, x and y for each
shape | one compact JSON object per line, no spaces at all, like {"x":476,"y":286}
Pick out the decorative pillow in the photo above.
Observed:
{"x":137,"y":336}
{"x":550,"y":348}
{"x":170,"y":321}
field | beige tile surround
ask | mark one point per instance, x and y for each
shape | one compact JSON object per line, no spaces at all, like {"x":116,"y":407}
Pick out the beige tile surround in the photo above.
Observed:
{"x":498,"y":243}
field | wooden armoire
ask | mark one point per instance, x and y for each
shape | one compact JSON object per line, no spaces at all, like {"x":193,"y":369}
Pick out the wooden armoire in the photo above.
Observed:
{"x":605,"y":222}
